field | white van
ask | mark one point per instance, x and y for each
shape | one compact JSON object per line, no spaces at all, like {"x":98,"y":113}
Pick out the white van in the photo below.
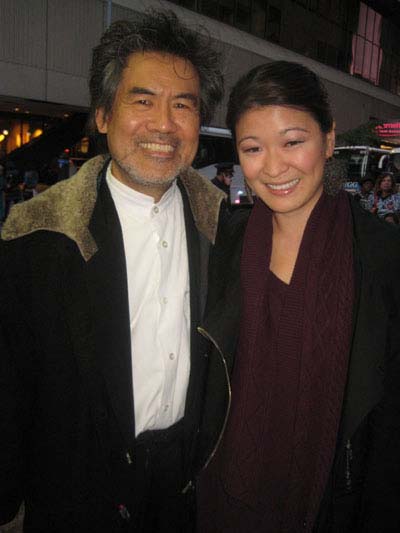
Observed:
{"x":216,"y":146}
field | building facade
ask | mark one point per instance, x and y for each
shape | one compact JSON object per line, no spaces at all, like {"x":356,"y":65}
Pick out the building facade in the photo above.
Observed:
{"x":45,"y":48}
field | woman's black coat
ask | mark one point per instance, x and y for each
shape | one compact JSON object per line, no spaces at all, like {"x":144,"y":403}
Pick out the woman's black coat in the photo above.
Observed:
{"x":363,"y":492}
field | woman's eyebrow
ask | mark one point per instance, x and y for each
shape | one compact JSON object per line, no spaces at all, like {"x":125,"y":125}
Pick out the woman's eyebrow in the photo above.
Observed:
{"x":293,"y":128}
{"x":248,"y":137}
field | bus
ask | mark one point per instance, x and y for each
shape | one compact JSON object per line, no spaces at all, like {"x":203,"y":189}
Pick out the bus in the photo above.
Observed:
{"x":361,"y":161}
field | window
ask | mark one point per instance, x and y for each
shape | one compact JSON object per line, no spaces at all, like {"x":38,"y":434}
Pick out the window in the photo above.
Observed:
{"x":243,"y":14}
{"x":367,"y":52}
{"x":273,"y":31}
{"x":321,"y":51}
{"x":226,"y":11}
{"x":190,"y":4}
{"x":210,"y":8}
{"x":259,"y":17}
{"x":331,"y":55}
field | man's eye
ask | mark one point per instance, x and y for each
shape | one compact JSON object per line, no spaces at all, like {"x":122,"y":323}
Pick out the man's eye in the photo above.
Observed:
{"x":251,"y":150}
{"x":181,"y":105}
{"x":143,"y":101}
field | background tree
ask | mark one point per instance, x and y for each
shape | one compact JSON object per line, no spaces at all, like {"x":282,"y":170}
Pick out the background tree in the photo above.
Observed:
{"x":364,"y":134}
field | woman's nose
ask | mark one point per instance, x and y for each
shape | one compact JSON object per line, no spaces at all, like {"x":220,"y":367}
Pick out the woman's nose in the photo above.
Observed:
{"x":274,"y":164}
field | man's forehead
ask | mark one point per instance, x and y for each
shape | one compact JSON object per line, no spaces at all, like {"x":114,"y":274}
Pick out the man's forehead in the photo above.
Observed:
{"x":160,"y":66}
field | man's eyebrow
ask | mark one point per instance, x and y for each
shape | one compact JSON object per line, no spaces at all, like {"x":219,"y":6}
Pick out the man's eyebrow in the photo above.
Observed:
{"x":144,"y":90}
{"x":141,"y":90}
{"x":188,"y":96}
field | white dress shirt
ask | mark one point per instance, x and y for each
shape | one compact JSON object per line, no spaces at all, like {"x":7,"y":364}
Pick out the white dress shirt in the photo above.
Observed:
{"x":159,"y":304}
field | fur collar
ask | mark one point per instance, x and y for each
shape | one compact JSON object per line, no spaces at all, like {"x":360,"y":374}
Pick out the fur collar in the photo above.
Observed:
{"x":67,"y":207}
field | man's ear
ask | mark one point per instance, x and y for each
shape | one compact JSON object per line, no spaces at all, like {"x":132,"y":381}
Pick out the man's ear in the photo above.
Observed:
{"x":101,"y":120}
{"x":330,"y":141}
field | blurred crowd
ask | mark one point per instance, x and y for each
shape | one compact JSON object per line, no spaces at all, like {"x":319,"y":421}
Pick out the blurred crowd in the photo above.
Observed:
{"x":380,"y":197}
{"x":17,"y":186}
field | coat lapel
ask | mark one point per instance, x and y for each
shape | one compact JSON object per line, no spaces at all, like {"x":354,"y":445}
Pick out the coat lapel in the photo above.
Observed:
{"x":198,"y":249}
{"x":107,"y":288}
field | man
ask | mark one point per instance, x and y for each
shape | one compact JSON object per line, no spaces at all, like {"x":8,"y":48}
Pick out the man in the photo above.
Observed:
{"x":102,"y":288}
{"x":366,"y":194}
{"x":223,"y":178}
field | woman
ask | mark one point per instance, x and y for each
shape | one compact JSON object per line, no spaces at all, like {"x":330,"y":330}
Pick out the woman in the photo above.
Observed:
{"x":386,"y":197}
{"x":310,"y":414}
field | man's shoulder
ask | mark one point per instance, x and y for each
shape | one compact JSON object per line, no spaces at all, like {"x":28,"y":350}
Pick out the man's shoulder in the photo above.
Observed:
{"x":205,"y":201}
{"x":66,"y":207}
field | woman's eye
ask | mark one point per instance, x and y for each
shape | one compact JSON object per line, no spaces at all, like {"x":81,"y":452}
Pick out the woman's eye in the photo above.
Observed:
{"x":294,"y":143}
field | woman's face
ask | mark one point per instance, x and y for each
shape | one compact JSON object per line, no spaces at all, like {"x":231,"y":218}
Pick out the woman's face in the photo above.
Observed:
{"x":282,"y":152}
{"x":386,"y":184}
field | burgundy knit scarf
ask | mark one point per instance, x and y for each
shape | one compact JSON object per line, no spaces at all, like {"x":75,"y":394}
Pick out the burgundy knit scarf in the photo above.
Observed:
{"x":280,"y":440}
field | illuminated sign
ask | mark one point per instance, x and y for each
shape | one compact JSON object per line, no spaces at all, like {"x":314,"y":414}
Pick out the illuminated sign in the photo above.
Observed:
{"x":388,"y":130}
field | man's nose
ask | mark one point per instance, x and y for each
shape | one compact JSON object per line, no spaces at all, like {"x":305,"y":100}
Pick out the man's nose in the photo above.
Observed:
{"x":162,"y":119}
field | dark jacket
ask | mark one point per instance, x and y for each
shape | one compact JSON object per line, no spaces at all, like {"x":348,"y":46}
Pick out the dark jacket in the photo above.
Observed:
{"x":364,"y":488}
{"x":67,"y":408}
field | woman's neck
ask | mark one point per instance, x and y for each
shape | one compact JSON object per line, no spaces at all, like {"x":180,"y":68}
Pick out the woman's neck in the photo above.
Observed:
{"x":287,"y":234}
{"x":385,"y":194}
{"x":290,"y":228}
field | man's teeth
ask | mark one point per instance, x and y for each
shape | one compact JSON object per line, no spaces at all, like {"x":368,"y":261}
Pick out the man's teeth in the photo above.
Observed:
{"x":283,"y":186}
{"x":157,"y":147}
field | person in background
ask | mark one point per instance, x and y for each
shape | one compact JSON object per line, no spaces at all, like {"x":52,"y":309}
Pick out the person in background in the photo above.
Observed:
{"x":31,"y":179}
{"x":223,"y":178}
{"x":366,"y":195}
{"x":14,"y":189}
{"x":391,"y":218}
{"x":102,"y":286}
{"x":2,"y":194}
{"x":386,"y":198}
{"x":304,"y":316}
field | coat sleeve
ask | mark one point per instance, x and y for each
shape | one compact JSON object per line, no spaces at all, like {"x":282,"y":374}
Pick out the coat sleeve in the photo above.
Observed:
{"x":16,"y":399}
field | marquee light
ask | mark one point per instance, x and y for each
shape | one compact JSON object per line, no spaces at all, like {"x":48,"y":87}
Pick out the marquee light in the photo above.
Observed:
{"x":388,"y":129}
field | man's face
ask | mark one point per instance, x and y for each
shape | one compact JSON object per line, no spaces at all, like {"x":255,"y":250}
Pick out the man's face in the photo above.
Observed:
{"x":153,"y":128}
{"x":367,"y":186}
{"x":227,"y":177}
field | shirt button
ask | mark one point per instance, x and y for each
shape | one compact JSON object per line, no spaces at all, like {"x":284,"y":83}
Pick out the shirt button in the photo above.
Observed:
{"x":172,"y":356}
{"x":166,"y":407}
{"x":165,"y":300}
{"x":155,"y":209}
{"x":165,"y":244}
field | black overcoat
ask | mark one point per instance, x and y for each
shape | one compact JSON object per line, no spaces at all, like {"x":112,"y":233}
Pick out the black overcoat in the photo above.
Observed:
{"x":66,"y":398}
{"x":363,"y":492}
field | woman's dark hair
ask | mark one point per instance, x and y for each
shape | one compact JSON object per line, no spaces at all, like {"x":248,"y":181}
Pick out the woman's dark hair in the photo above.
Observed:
{"x":379,"y":180}
{"x":280,"y":83}
{"x":155,"y":31}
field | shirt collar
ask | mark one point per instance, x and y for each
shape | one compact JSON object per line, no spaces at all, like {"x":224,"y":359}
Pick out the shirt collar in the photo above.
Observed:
{"x":135,"y":202}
